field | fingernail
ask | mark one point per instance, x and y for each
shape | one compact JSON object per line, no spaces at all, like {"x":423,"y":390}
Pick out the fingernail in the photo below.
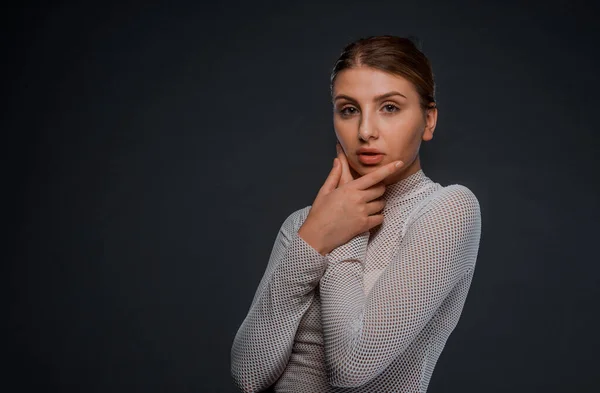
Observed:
{"x":398,"y":164}
{"x":334,"y":162}
{"x":337,"y":147}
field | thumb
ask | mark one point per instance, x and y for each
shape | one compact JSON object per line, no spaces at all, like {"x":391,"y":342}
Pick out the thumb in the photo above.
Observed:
{"x":346,"y":176}
{"x":333,"y":178}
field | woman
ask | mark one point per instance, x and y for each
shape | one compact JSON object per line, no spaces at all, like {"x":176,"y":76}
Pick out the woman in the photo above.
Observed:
{"x":364,"y":286}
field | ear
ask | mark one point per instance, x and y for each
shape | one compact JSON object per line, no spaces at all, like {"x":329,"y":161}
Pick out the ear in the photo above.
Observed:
{"x":430,"y":122}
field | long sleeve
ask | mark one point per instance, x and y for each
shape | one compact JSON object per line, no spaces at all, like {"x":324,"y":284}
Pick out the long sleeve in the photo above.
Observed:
{"x":363,"y":334}
{"x":263,"y":343}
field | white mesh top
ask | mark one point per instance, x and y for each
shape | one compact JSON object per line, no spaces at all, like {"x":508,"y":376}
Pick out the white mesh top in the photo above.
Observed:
{"x":374,"y":314}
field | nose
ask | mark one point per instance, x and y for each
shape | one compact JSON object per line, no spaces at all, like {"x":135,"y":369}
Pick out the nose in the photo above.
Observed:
{"x":367,"y":127}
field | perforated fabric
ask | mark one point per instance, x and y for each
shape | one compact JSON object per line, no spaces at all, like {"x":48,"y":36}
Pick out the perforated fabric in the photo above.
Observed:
{"x":374,"y":314}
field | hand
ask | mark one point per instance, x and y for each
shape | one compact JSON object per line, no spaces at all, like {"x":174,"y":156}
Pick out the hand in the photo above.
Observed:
{"x":344,"y":206}
{"x":346,"y":176}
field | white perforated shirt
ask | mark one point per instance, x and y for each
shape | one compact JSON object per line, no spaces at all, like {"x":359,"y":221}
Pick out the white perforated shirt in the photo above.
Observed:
{"x":374,"y":314}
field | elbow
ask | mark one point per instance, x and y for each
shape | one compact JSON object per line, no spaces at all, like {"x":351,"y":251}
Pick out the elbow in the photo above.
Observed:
{"x":253,"y":374}
{"x":238,"y":378}
{"x":243,"y":382}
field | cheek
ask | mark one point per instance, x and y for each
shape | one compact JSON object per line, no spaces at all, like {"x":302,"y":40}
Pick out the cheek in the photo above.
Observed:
{"x":344,"y":131}
{"x":404,"y":137}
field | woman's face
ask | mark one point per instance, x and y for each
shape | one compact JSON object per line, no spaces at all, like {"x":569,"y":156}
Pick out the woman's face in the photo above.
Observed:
{"x":379,"y":110}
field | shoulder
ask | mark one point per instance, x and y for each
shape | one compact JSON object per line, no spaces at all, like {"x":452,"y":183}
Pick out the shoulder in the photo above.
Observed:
{"x":457,"y":196}
{"x":453,"y":204}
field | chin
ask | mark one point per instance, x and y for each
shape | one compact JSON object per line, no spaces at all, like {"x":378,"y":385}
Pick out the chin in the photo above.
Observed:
{"x":362,"y":170}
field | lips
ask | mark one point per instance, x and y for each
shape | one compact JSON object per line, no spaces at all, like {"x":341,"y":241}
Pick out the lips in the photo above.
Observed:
{"x":369,"y":156}
{"x":368,"y":151}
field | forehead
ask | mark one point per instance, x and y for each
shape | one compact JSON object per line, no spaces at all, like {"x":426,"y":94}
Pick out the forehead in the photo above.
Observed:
{"x":365,"y":82}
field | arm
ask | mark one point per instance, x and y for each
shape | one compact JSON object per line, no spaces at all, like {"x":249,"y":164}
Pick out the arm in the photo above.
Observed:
{"x":263,"y":343}
{"x":364,"y":334}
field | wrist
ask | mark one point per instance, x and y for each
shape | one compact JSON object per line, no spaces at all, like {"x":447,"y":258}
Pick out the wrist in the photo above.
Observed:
{"x":313,"y":238}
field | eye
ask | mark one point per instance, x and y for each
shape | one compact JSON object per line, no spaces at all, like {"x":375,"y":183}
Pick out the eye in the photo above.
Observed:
{"x":348,"y":111}
{"x":390,"y":108}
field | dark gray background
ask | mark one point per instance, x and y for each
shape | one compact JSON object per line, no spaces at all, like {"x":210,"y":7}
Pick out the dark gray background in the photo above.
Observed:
{"x":152,"y":152}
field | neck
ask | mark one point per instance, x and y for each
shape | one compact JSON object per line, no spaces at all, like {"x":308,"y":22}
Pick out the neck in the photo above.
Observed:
{"x":413,"y":168}
{"x":411,"y":181}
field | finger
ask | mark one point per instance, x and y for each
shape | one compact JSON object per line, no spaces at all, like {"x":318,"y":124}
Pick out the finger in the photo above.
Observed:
{"x":375,"y":177}
{"x":332,"y":180}
{"x":374,"y":220}
{"x":373,"y":192}
{"x":374,"y":207}
{"x":346,"y":174}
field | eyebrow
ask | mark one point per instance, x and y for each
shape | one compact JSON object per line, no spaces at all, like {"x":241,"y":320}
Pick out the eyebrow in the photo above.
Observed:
{"x":377,"y":98}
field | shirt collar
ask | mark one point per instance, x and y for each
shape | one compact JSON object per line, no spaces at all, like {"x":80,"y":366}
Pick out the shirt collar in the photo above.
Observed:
{"x":403,"y":188}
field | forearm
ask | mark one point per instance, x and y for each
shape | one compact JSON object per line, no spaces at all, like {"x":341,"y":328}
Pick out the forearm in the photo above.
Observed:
{"x":264,"y":341}
{"x":342,"y":306}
